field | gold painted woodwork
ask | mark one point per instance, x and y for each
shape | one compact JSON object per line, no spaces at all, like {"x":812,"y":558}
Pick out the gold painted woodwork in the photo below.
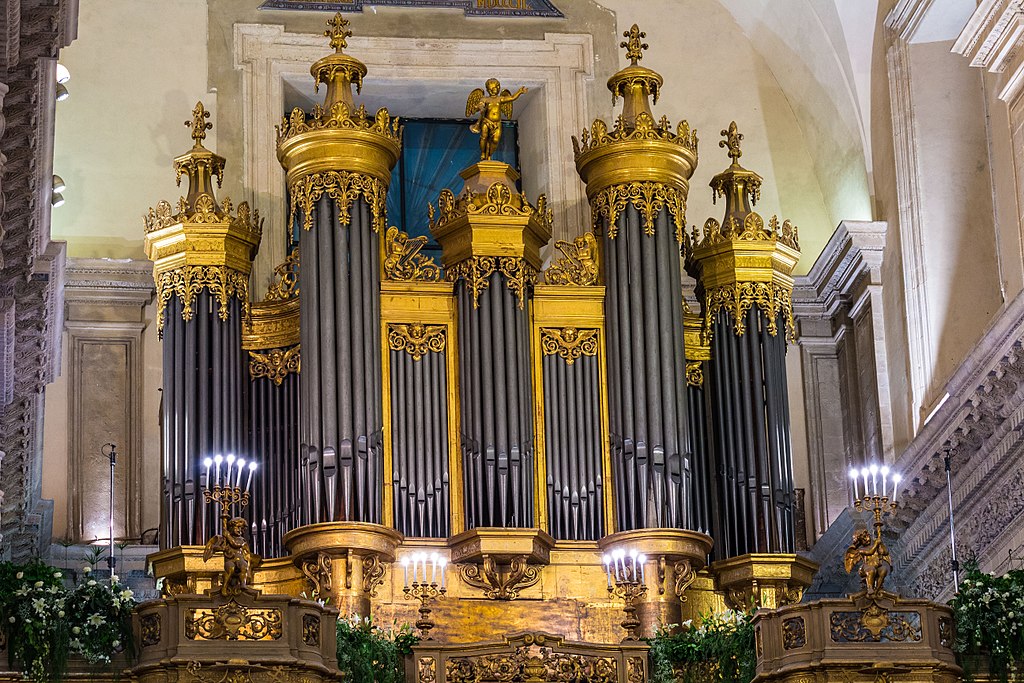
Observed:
{"x":763,"y":579}
{"x":429,"y":303}
{"x":416,"y":339}
{"x":403,"y":261}
{"x":569,"y":343}
{"x":338,"y":150}
{"x":490,"y":218}
{"x":579,"y":264}
{"x":275,"y":364}
{"x":695,"y":373}
{"x":501,"y":582}
{"x":560,"y":307}
{"x":502,"y":544}
{"x":822,"y":641}
{"x":272,"y":324}
{"x":476,"y":272}
{"x":493,"y":104}
{"x":740,"y":263}
{"x":201,"y":245}
{"x":639,"y":160}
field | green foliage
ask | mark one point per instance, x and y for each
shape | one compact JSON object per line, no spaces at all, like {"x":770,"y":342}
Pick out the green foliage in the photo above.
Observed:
{"x":369,"y":653}
{"x":719,"y":648}
{"x":45,"y":621}
{"x":989,"y":615}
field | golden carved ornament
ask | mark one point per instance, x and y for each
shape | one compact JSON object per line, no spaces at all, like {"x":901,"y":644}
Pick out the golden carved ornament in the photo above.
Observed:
{"x":311,"y":630}
{"x":634,"y":45}
{"x":477,"y":271}
{"x":250,"y":673}
{"x":286,"y":285}
{"x":683,"y":575}
{"x":344,"y":188}
{"x":578,"y":264}
{"x":187,"y":282}
{"x":645,"y":129}
{"x":149,"y":629}
{"x":636,"y":670}
{"x":875,"y":625}
{"x":498,"y":200}
{"x":751,"y":230}
{"x":493,"y":104}
{"x":373,"y":574}
{"x":695,"y":373}
{"x":773,"y":299}
{"x":339,"y":117}
{"x":403,"y":261}
{"x":648,"y":198}
{"x":498,"y":584}
{"x":317,"y":571}
{"x":416,"y":339}
{"x":427,"y":670}
{"x":535,"y":664}
{"x":232,"y":621}
{"x":275,"y":364}
{"x":569,"y":343}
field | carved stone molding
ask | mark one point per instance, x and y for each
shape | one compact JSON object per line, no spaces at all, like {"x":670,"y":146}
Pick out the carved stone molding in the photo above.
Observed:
{"x":992,"y":40}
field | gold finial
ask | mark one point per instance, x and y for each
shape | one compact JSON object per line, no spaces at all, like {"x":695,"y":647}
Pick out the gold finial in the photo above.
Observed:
{"x":493,"y":105}
{"x":199,"y":124}
{"x":732,"y":140}
{"x":338,"y":31}
{"x":634,"y":46}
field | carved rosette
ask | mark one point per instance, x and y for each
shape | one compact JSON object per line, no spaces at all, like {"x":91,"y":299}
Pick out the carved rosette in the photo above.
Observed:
{"x":578,"y":264}
{"x":569,"y":343}
{"x":416,"y":339}
{"x":275,"y":364}
{"x":648,"y":198}
{"x":477,"y":271}
{"x":187,"y":282}
{"x":344,"y":187}
{"x":403,"y":261}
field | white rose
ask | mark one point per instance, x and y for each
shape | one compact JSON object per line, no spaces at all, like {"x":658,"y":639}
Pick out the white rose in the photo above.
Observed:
{"x":86,"y":569}
{"x":60,"y":613}
{"x":20,"y":575}
{"x":58,"y":575}
{"x":76,"y":630}
{"x":38,"y":584}
{"x":92,"y":582}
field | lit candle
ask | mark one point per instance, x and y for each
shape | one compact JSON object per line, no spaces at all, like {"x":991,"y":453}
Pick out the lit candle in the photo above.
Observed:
{"x":217,"y":460}
{"x":433,"y":568}
{"x":874,"y":479}
{"x":853,"y":476}
{"x":405,"y":570}
{"x":231,"y":461}
{"x":864,"y":475}
{"x":896,"y":479}
{"x":206,"y":463}
{"x":238,"y":478}
{"x":885,"y":478}
{"x":608,"y":568}
{"x":641,"y":559}
{"x":248,"y":480}
{"x":632,"y":556}
{"x":442,"y":563}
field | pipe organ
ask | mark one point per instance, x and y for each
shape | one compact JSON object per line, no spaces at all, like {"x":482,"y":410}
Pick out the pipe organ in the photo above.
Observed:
{"x":486,"y":403}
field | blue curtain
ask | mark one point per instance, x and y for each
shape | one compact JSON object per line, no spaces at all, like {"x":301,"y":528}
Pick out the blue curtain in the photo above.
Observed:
{"x":434,"y":151}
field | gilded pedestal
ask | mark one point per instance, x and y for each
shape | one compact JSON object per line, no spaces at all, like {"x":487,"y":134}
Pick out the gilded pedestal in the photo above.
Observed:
{"x":763,"y":580}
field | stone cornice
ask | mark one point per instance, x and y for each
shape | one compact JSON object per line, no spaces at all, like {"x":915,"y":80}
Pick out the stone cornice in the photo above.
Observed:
{"x":114,"y":282}
{"x":906,"y":16}
{"x":992,"y":39}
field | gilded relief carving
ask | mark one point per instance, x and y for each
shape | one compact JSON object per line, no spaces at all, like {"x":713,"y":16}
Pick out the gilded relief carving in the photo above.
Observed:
{"x":373,"y":574}
{"x":498,"y":584}
{"x":570,"y":343}
{"x":275,"y":364}
{"x":149,"y":627}
{"x":318,"y":572}
{"x":578,"y":264}
{"x":416,"y":339}
{"x":891,"y":627}
{"x":794,"y":633}
{"x":403,"y":260}
{"x":232,"y":621}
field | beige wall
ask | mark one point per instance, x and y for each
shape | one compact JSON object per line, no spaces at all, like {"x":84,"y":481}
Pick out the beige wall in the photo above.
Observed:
{"x":137,"y":69}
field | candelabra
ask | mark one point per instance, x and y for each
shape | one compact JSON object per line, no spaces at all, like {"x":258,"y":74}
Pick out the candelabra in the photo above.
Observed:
{"x":223,"y":492}
{"x":422,"y":590}
{"x":867,"y":550}
{"x":625,"y":570}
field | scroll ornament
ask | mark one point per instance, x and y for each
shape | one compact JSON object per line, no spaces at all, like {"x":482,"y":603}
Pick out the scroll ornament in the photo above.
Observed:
{"x":578,"y":264}
{"x":498,"y":200}
{"x":286,"y":286}
{"x":344,"y":187}
{"x":339,"y":117}
{"x":649,"y":198}
{"x":569,"y":343}
{"x":737,"y":298}
{"x":695,"y":373}
{"x":403,"y":261}
{"x":187,"y":282}
{"x":499,"y":585}
{"x":416,"y":339}
{"x":477,"y":270}
{"x":275,"y":364}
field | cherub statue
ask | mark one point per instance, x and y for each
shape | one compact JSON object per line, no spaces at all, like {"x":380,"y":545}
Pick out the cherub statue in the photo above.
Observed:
{"x":873,"y":557}
{"x":493,"y":107}
{"x":238,"y":559}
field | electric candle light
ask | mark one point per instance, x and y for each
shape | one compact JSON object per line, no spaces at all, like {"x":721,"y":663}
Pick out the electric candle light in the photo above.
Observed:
{"x":896,"y":479}
{"x":864,"y":474}
{"x":231,"y":461}
{"x":874,"y":479}
{"x":217,"y":460}
{"x":405,"y":569}
{"x":206,"y":463}
{"x":608,"y":568}
{"x":641,"y":559}
{"x":433,"y":567}
{"x":885,"y":478}
{"x":238,"y":478}
{"x":853,"y":476}
{"x":248,"y":480}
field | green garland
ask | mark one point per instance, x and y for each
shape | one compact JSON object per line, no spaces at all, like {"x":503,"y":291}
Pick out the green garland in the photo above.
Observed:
{"x":44,"y":620}
{"x":989,"y":615}
{"x":369,"y":653}
{"x":719,"y":648}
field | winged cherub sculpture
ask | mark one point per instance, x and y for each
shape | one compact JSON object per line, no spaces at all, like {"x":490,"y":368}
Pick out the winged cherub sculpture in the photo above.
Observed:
{"x":238,"y":559}
{"x":873,"y":558}
{"x":493,"y":105}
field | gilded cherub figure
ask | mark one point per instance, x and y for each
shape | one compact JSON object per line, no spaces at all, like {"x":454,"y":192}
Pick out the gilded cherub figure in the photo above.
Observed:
{"x":494,"y":105}
{"x":873,"y":557}
{"x":238,"y":559}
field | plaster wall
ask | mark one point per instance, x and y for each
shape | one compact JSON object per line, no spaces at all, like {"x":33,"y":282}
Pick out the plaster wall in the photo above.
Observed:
{"x":137,"y":71}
